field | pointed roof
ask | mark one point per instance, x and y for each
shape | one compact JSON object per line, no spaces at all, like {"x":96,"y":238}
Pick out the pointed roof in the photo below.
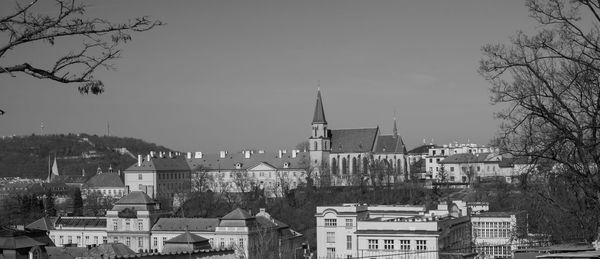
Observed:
{"x":186,"y":238}
{"x":237,"y":214}
{"x":319,"y":116}
{"x":105,"y":180}
{"x":44,"y":223}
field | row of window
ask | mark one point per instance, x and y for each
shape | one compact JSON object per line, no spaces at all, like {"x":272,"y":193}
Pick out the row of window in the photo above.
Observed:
{"x":269,"y":174}
{"x":128,"y":225}
{"x":495,"y":251}
{"x":105,"y":192}
{"x":333,"y":223}
{"x":492,"y":229}
{"x":401,"y":244}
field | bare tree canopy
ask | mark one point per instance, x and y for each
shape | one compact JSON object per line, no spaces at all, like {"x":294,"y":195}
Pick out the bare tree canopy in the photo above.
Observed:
{"x":550,"y":85}
{"x":100,"y":41}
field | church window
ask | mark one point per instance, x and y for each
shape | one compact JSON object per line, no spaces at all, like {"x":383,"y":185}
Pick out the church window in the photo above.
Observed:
{"x":334,"y":166}
{"x":344,"y":166}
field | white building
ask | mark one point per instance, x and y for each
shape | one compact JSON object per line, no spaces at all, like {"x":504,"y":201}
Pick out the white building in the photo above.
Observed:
{"x":356,"y":230}
{"x":437,"y":154}
{"x":248,"y":170}
{"x":105,"y":185}
{"x":496,"y":234}
{"x":137,"y":222}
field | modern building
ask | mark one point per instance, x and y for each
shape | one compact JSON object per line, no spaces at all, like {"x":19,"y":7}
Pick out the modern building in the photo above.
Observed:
{"x":360,"y":230}
{"x":497,"y":234}
{"x":342,"y":157}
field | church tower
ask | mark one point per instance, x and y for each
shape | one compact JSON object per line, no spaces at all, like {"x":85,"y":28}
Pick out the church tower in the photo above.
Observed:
{"x":319,"y":141}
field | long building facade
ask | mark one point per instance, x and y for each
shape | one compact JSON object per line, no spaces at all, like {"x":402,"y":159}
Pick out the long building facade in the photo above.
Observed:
{"x":137,"y":221}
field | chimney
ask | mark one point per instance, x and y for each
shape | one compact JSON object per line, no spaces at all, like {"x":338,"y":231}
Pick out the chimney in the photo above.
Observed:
{"x":247,"y":154}
{"x":279,"y":155}
{"x":222,"y":154}
{"x":170,"y":154}
{"x":189,"y":155}
{"x":152,"y":153}
{"x":198,"y":154}
{"x":139,"y":160}
{"x":294,"y":153}
{"x":284,"y":151}
{"x":148,"y":158}
{"x":261,"y":151}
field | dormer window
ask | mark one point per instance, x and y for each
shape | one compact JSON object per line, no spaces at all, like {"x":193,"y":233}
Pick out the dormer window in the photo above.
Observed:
{"x":238,"y":166}
{"x":286,"y":165}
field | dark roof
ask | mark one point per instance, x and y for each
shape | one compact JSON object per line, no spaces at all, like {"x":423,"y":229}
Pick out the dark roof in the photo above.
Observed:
{"x":353,"y":140}
{"x":68,"y":179}
{"x":176,"y":163}
{"x":237,"y":214}
{"x":97,"y":222}
{"x":392,"y":232}
{"x":319,"y":116}
{"x":497,"y":214}
{"x":422,"y":149}
{"x":12,"y":239}
{"x":186,"y":238}
{"x":44,"y":223}
{"x":110,"y":250}
{"x":192,"y":224}
{"x":136,"y":198}
{"x":390,"y":144}
{"x":466,"y":158}
{"x":105,"y":180}
{"x":229,"y":162}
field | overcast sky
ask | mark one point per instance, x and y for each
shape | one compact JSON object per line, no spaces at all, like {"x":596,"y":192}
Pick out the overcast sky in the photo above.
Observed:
{"x":230,"y":75}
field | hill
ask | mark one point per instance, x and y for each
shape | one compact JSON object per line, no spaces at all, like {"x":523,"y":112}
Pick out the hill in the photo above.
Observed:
{"x":29,"y":156}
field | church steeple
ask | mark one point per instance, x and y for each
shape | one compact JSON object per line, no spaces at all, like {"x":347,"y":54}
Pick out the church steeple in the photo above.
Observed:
{"x":319,"y":116}
{"x":395,"y":129}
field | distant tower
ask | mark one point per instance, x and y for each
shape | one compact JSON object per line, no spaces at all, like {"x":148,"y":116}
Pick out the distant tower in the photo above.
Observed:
{"x":42,"y":128}
{"x":319,"y":141}
{"x":395,"y":128}
{"x":99,"y":170}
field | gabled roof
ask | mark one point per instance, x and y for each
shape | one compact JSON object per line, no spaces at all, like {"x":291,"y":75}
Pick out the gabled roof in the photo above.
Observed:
{"x":12,"y":239}
{"x":136,"y":198}
{"x":192,"y":224}
{"x":237,"y":214}
{"x":319,"y":115}
{"x":44,"y":223}
{"x":353,"y":140}
{"x":105,"y":180}
{"x":186,"y":238}
{"x":390,"y":144}
{"x":161,"y":164}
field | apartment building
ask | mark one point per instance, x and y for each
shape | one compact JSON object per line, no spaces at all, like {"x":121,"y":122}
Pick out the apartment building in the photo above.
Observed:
{"x":360,"y":230}
{"x":439,"y":153}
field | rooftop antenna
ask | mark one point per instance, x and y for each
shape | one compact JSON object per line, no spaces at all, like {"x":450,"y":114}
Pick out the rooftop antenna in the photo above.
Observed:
{"x":42,"y":128}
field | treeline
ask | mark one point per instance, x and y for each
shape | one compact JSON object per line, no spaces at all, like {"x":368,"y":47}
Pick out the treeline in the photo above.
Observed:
{"x":28,"y":156}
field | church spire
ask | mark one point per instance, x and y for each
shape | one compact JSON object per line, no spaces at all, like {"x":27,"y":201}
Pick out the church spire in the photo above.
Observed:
{"x":395,"y":128}
{"x":319,"y":116}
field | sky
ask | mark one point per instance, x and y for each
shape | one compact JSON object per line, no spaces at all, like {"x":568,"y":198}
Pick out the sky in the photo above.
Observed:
{"x":233,"y":75}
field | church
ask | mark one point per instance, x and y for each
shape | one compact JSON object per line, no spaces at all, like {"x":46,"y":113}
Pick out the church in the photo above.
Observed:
{"x":343,"y":157}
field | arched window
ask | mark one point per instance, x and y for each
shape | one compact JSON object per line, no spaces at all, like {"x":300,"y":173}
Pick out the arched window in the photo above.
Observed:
{"x":354,"y":166}
{"x":365,"y":165}
{"x":334,"y":166}
{"x":344,"y":166}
